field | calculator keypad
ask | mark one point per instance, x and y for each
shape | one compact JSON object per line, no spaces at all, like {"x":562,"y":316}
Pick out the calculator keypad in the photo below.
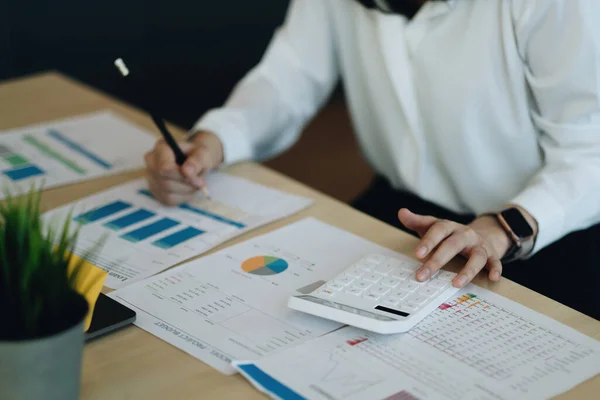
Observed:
{"x":387,"y":281}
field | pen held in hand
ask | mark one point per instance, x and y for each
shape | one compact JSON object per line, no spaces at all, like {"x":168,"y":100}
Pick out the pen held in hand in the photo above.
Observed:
{"x":180,"y":157}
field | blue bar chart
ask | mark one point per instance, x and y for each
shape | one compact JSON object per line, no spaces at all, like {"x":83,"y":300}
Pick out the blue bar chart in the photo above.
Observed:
{"x":177,"y":238}
{"x":102,"y":212}
{"x":129,"y":219}
{"x":200,"y":211}
{"x":18,"y":174}
{"x":151,"y":229}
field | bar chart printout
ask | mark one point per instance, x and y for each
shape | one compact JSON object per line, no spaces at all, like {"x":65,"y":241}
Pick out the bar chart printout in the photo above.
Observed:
{"x":477,"y":345}
{"x":69,"y":151}
{"x":142,"y":237}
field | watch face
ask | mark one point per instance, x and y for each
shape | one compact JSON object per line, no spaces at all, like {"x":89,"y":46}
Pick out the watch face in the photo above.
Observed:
{"x":518,"y":224}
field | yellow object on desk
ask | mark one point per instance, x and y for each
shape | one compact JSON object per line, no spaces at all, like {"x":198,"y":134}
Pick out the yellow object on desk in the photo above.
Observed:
{"x":89,"y":283}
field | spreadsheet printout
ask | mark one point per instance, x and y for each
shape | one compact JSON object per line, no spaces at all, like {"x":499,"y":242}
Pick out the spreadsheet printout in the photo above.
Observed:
{"x":477,"y":345}
{"x":232,"y":304}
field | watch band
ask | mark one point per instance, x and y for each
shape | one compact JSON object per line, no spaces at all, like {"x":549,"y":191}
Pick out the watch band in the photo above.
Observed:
{"x":519,"y":249}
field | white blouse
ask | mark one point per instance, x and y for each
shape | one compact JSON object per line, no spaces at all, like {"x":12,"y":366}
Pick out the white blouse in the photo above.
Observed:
{"x":471,"y":104}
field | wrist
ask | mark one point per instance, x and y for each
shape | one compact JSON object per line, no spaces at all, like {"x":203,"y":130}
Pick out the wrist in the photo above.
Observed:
{"x":492,"y":232}
{"x":210,"y":142}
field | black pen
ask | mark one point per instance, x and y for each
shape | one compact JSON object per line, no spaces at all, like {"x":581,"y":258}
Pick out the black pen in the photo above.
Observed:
{"x":180,"y":157}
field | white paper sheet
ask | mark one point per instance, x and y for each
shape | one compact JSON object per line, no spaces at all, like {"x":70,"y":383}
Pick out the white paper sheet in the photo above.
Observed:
{"x":72,"y":150}
{"x":143,"y":237}
{"x":476,"y":346}
{"x":218,"y":308}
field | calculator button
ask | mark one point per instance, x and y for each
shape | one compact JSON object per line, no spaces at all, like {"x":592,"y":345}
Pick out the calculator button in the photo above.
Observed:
{"x":408,"y":286}
{"x":446,"y":276}
{"x":394,"y":299}
{"x":371,"y":277}
{"x":354,"y":271}
{"x":394,"y":262}
{"x":391,"y":282}
{"x":380,"y":290}
{"x":344,"y":279}
{"x":365,"y":265}
{"x":371,"y":296}
{"x":375,"y":258}
{"x":400,"y":274}
{"x":438,"y":283}
{"x":326,"y":292}
{"x":354,"y":291}
{"x":383,"y":268}
{"x":401,"y":294}
{"x":416,"y":299}
{"x":412,"y":266}
{"x":390,"y":302}
{"x":361,"y":284}
{"x":409,"y":307}
{"x":416,"y":282}
{"x":335,"y":285}
{"x":427,"y":291}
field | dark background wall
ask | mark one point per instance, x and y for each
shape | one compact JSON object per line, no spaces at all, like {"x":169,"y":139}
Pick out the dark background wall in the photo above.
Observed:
{"x":188,"y":54}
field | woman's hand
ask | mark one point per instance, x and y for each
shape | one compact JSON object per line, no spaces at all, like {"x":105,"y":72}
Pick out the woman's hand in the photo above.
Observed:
{"x":483,"y":242}
{"x":172,"y":184}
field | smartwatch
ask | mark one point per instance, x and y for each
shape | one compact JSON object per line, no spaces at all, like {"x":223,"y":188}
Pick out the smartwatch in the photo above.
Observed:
{"x":520,"y":232}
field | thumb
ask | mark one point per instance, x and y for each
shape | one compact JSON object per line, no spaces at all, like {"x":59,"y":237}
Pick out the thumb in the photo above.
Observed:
{"x":416,"y":222}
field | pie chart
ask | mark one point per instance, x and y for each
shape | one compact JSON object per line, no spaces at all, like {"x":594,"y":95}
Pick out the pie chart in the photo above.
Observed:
{"x":264,"y":265}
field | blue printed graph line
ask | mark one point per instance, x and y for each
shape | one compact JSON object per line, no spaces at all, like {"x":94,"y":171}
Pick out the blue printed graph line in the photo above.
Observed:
{"x":270,"y":384}
{"x":78,"y":148}
{"x":18,"y":174}
{"x":200,"y":211}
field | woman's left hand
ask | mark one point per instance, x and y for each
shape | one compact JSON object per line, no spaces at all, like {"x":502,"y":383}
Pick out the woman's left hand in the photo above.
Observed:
{"x":483,"y":242}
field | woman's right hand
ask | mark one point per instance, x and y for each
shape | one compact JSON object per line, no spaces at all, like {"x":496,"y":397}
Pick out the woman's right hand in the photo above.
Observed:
{"x":172,"y":184}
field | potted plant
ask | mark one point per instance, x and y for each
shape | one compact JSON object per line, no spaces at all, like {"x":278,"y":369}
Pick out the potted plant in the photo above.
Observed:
{"x":41,"y":314}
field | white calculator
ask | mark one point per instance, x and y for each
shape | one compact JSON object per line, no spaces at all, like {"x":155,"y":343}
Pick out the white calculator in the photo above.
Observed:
{"x":378,"y":293}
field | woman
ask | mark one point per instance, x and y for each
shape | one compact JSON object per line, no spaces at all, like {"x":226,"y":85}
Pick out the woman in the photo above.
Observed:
{"x":482,"y":117}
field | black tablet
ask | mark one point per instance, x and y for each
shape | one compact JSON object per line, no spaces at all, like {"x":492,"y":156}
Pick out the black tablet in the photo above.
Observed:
{"x":109,"y":316}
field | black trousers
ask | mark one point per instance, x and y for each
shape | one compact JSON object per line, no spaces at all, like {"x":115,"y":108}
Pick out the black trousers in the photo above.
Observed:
{"x":567,"y":271}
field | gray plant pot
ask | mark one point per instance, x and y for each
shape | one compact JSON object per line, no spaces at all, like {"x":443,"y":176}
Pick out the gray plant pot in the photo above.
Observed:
{"x":48,"y":368}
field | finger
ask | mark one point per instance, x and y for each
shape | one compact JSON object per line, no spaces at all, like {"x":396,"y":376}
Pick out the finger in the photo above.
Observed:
{"x":416,"y":222}
{"x":477,"y":259}
{"x":173,"y":186}
{"x":164,"y":157}
{"x":434,"y":236}
{"x":495,"y":267}
{"x":446,"y":251}
{"x":170,"y":199}
{"x":197,"y":163}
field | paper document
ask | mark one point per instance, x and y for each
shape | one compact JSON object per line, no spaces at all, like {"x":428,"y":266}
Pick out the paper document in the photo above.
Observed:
{"x":232,"y":305}
{"x":477,"y":345}
{"x":143,"y":237}
{"x":69,"y":151}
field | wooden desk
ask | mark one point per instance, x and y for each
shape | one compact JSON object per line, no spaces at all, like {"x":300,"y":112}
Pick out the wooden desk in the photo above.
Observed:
{"x":133,"y":364}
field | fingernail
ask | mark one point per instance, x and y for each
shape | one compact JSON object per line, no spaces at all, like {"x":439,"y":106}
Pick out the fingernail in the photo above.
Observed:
{"x":423,"y":274}
{"x":197,"y":182}
{"x":421,"y":251}
{"x":461,"y":281}
{"x":495,"y":275}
